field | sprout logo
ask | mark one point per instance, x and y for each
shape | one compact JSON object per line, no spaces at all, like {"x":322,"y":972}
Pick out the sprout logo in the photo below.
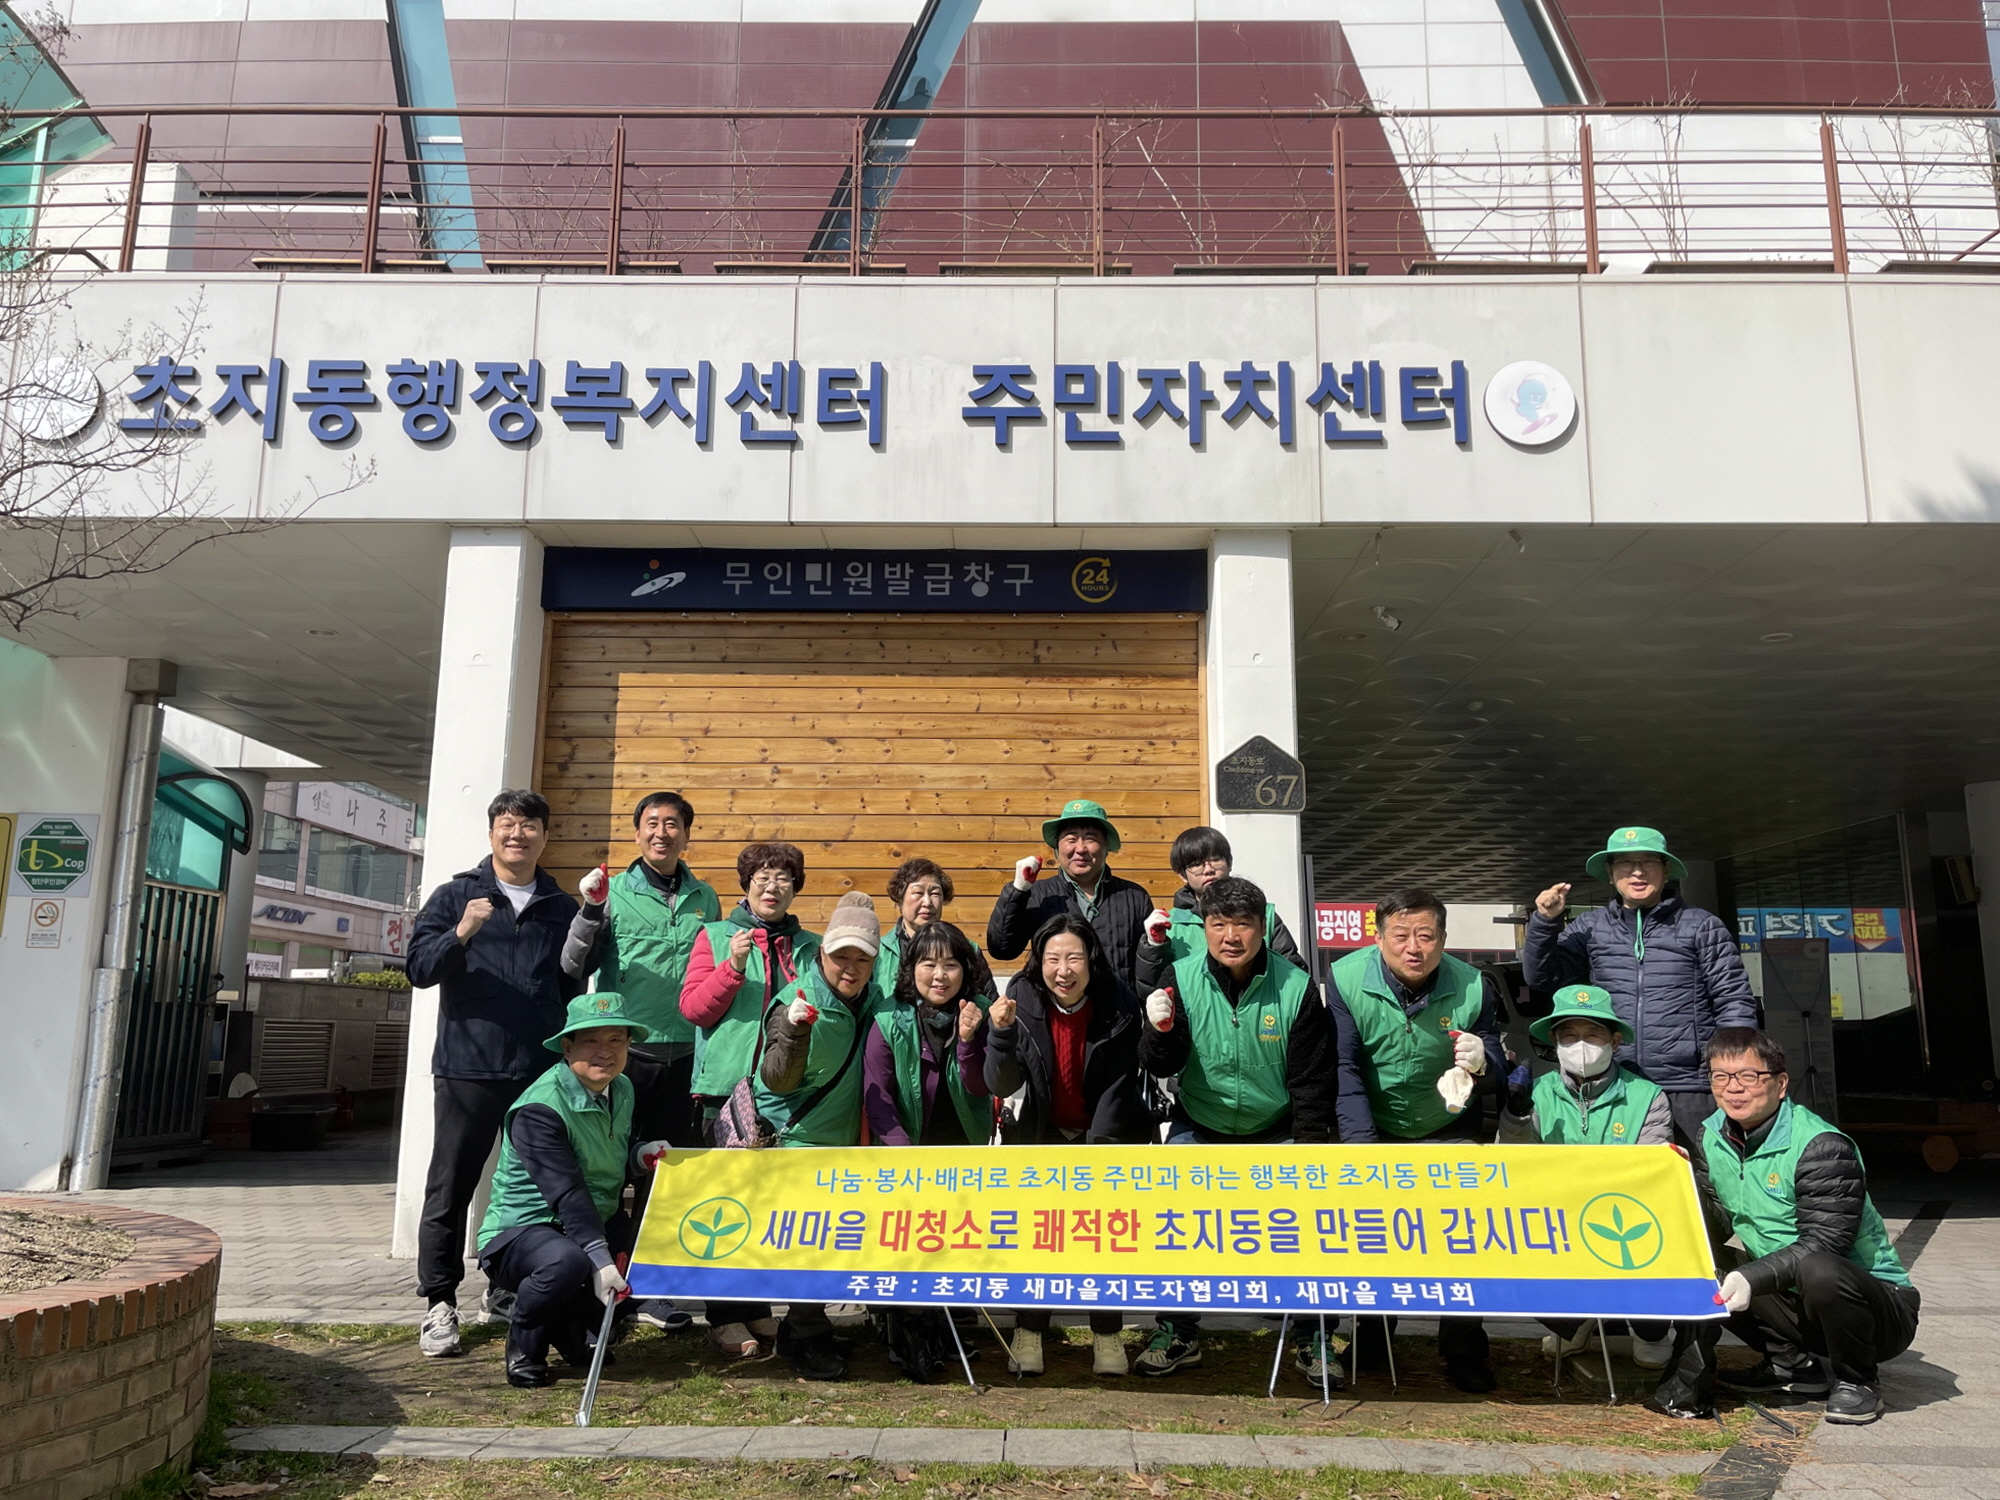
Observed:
{"x":1620,"y":1231}
{"x":715,"y":1229}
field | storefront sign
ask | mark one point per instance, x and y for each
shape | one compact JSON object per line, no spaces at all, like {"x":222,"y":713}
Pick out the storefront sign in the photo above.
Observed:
{"x":331,"y":805}
{"x":303,"y":919}
{"x":1539,"y":1231}
{"x":53,"y":856}
{"x":1345,"y":924}
{"x":943,"y":581}
{"x":1259,"y":777}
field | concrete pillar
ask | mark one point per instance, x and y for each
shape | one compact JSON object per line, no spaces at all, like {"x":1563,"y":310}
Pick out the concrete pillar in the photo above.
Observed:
{"x":1252,"y":689}
{"x":1982,"y":818}
{"x":483,"y":740}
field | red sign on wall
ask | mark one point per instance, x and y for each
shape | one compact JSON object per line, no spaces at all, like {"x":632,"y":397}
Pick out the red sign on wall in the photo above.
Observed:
{"x":1344,"y":924}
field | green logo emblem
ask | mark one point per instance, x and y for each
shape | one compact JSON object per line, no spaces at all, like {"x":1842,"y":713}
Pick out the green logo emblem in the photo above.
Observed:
{"x":53,"y":856}
{"x":715,"y":1229}
{"x":1621,"y":1231}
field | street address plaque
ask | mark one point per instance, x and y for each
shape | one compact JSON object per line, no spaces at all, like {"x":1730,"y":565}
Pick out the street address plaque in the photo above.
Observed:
{"x":1258,"y":777}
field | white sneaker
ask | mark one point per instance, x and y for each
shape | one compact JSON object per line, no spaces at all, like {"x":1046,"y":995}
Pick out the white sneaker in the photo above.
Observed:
{"x":439,"y":1338}
{"x":496,"y":1306}
{"x":1653,"y":1354}
{"x":1561,"y":1348}
{"x":1026,"y":1356}
{"x":1107,"y":1355}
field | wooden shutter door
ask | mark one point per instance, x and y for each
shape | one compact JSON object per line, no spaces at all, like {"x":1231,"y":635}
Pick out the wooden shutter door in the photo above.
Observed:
{"x":868,"y":739}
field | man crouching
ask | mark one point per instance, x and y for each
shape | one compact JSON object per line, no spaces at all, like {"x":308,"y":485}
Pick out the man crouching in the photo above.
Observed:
{"x":547,"y":1233}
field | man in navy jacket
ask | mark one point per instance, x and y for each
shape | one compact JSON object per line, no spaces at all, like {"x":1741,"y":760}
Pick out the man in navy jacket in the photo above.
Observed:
{"x":491,"y":940}
{"x":1674,"y":971}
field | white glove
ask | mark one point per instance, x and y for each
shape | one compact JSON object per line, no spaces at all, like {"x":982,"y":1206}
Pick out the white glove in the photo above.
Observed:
{"x":593,"y":886}
{"x":1469,"y":1053}
{"x":1455,"y":1086}
{"x":1156,"y":927}
{"x":1026,"y":870}
{"x":651,"y":1152}
{"x":1160,"y":1011}
{"x":607,"y":1283}
{"x":802,"y":1013}
{"x":1735,"y":1293}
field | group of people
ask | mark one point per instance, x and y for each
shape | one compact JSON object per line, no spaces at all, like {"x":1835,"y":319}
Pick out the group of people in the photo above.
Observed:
{"x":1198,"y":1023}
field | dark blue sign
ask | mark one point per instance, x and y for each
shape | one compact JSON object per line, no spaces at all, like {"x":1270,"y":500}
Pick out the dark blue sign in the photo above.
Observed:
{"x":957,"y":582}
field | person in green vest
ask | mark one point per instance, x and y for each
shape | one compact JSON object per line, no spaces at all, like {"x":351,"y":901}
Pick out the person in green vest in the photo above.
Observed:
{"x":1416,"y":1037}
{"x":808,"y":1083}
{"x":923,"y":1069}
{"x":634,"y":933}
{"x":1200,"y":856}
{"x":735,"y":968}
{"x":1247,"y":1036}
{"x":920,"y":890}
{"x":1821,"y":1293}
{"x":553,"y":1225}
{"x":1589,"y":1100}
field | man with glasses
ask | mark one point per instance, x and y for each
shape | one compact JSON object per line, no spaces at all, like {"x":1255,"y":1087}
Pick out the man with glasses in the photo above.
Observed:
{"x":1673,"y":970}
{"x":491,"y":940}
{"x":1823,"y":1296}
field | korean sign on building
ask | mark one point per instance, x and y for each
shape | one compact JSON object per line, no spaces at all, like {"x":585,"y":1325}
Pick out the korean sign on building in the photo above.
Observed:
{"x":1541,"y":1231}
{"x":331,"y":805}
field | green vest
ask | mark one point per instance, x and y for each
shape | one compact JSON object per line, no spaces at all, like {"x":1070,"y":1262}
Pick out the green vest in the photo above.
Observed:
{"x":1234,"y":1081}
{"x":836,"y":1119}
{"x":1759,"y":1191}
{"x":1613,"y":1118}
{"x":600,"y":1138}
{"x":1185,"y":937}
{"x":898,"y":1024}
{"x":646,"y":949}
{"x":1402,"y":1057}
{"x":725,"y":1053}
{"x":890,"y":959}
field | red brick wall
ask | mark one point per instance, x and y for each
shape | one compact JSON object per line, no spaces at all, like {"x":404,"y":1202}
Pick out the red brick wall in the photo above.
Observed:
{"x":103,"y":1381}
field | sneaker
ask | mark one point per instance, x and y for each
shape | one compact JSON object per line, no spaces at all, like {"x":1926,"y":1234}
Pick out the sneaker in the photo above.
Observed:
{"x":1167,"y":1352}
{"x":1555,"y":1346}
{"x":1652,"y":1354}
{"x":659,"y":1312}
{"x":1853,"y":1404}
{"x":1107,"y":1355}
{"x":817,"y":1359}
{"x":764,"y":1330}
{"x":496,"y":1305}
{"x":1768,"y":1378}
{"x":1313,"y":1357}
{"x":1025,"y":1358}
{"x":439,"y":1337}
{"x":733,"y":1341}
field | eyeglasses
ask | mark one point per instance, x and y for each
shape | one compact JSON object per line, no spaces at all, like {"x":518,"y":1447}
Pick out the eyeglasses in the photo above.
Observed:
{"x":1748,"y":1077}
{"x":781,"y":879}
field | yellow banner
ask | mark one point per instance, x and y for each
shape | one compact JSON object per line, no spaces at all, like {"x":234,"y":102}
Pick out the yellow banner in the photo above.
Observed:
{"x":1547,"y":1231}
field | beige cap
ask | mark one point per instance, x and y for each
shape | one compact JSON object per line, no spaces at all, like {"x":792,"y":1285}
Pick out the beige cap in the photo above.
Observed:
{"x":853,"y":925}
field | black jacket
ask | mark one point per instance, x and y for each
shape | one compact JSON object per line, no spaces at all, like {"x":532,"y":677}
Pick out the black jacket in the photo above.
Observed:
{"x":1155,"y":961}
{"x":503,"y":994}
{"x":1122,"y":909}
{"x":1829,"y":1191}
{"x":1024,"y":1052}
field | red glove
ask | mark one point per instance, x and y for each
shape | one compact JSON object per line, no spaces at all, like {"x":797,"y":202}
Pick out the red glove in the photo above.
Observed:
{"x":802,"y":1013}
{"x":1156,"y":927}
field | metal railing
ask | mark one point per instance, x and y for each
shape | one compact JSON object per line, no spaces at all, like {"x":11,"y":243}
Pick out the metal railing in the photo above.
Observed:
{"x":1149,"y":192}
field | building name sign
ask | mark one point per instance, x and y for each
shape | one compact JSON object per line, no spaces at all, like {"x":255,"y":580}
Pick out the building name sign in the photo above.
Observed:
{"x":784,"y":404}
{"x":331,"y":805}
{"x":936,"y":581}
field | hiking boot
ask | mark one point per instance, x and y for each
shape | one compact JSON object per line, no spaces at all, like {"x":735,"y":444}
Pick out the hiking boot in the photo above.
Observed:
{"x":1853,"y":1404}
{"x":1025,"y":1357}
{"x":1769,"y":1378}
{"x":1107,"y":1355}
{"x":816,"y":1358}
{"x":1653,"y":1354}
{"x":1167,"y":1352}
{"x":1313,"y":1357}
{"x":439,"y":1335}
{"x":659,"y":1312}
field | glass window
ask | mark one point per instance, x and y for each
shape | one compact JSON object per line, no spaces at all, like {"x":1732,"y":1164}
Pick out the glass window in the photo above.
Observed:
{"x":278,"y":848}
{"x":349,"y":866}
{"x":181,"y":852}
{"x":313,"y":959}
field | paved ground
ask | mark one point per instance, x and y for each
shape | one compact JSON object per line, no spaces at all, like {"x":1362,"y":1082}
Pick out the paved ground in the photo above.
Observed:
{"x":305,"y":1240}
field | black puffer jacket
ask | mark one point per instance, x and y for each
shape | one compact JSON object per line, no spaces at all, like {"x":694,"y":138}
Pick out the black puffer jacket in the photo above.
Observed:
{"x":1156,"y":960}
{"x":1120,"y":923}
{"x":1829,"y":1189}
{"x":1690,"y":982}
{"x":1024,"y":1053}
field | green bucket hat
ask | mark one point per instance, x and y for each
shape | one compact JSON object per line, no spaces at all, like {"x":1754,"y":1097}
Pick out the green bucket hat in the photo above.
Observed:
{"x":1633,"y":841}
{"x":588,"y":1012}
{"x":1081,"y":810}
{"x":1583,"y":1002}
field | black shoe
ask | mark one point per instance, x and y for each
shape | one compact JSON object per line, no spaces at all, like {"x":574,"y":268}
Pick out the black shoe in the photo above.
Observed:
{"x":786,"y":1342}
{"x":1679,"y":1411}
{"x":1853,"y":1404}
{"x":1766,"y":1378}
{"x":528,"y":1358}
{"x":817,"y":1358}
{"x":1472,"y":1375}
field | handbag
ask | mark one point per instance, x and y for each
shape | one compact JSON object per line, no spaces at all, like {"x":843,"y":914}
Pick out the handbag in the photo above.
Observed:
{"x":738,"y":1126}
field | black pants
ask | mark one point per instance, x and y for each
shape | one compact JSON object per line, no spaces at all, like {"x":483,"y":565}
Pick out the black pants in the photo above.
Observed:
{"x":468,"y":1112}
{"x":1036,"y":1320}
{"x":1690,"y":1111}
{"x":1837,"y":1311}
{"x":551,"y":1279}
{"x":1459,"y":1338}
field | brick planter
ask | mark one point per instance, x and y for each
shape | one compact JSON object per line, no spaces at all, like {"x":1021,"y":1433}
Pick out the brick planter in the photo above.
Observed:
{"x":103,"y":1381}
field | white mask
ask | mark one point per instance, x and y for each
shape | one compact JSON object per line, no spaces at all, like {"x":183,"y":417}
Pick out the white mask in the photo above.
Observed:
{"x":1583,"y":1059}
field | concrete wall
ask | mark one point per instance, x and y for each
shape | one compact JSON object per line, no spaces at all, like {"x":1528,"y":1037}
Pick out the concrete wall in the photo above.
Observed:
{"x":62,"y":741}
